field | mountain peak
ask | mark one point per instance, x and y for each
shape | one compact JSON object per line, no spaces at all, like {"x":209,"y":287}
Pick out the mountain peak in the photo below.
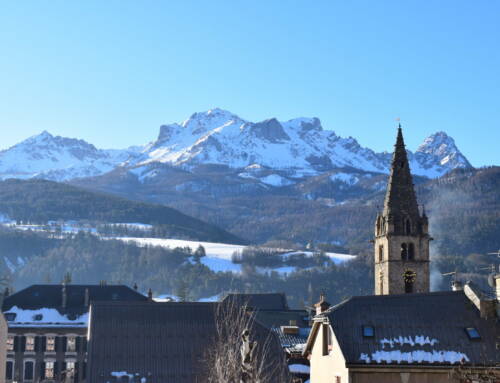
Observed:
{"x":443,"y":147}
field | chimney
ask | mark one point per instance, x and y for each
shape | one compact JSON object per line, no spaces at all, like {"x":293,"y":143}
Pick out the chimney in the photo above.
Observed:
{"x":64,"y":296}
{"x":135,"y":286}
{"x":456,"y":286}
{"x":485,"y":305}
{"x":87,"y":297}
{"x":150,"y":295}
{"x":322,"y":305}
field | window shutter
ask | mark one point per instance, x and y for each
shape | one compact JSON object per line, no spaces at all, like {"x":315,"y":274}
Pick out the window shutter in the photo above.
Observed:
{"x":9,"y":372}
{"x":23,"y":343}
{"x":78,"y":343}
{"x":42,"y":370}
{"x":44,"y":343}
{"x":64,"y":343}
{"x":84,"y":370}
{"x":77,"y":372}
{"x":56,"y":370}
{"x":84,"y":344}
{"x":37,"y":343}
{"x":56,"y":344}
{"x":16,"y":343}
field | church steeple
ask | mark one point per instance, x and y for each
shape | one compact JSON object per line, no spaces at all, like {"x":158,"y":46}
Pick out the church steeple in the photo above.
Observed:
{"x":401,"y":233}
{"x":400,"y":203}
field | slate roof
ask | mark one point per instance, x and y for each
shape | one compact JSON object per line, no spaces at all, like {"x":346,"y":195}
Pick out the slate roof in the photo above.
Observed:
{"x":440,"y":316}
{"x":161,"y":342}
{"x":50,"y":296}
{"x":265,"y":301}
{"x":275,"y":319}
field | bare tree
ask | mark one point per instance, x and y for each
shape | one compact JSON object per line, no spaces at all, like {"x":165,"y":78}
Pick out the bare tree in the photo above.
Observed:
{"x":244,"y":351}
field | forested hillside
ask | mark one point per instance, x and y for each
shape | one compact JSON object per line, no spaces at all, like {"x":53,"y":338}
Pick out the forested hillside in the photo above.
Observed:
{"x":85,"y":258}
{"x":39,"y":201}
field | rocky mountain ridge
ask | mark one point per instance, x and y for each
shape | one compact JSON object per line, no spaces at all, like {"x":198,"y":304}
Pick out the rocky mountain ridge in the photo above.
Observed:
{"x":294,"y":149}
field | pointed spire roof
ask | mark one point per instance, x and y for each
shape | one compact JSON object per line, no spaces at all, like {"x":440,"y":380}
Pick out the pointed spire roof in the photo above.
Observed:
{"x":400,"y":199}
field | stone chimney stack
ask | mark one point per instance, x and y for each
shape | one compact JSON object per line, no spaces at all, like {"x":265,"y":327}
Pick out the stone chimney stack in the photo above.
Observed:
{"x":64,"y":296}
{"x":150,"y":295}
{"x":322,"y":305}
{"x":456,"y":285}
{"x":87,"y":297}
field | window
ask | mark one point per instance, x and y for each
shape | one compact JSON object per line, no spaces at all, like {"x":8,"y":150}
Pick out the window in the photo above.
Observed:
{"x":472,"y":333}
{"x":30,"y":343}
{"x":71,"y":343}
{"x":404,"y":252}
{"x":10,"y":317}
{"x":29,"y":367}
{"x":37,"y":317}
{"x":411,"y":251}
{"x":50,"y":346}
{"x":324,"y":330}
{"x":380,"y":253}
{"x":49,"y":370}
{"x":368,"y":332}
{"x":9,"y":370}
{"x":70,"y":366}
{"x":407,"y":227}
{"x":10,"y":343}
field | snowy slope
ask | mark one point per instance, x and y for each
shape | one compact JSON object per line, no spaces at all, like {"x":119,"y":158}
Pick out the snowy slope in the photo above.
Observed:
{"x":58,"y":158}
{"x":299,"y":146}
{"x":219,"y":255}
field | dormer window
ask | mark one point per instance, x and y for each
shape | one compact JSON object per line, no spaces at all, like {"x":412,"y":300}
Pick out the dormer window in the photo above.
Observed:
{"x":37,"y":317}
{"x":472,"y":333}
{"x":10,"y":317}
{"x":368,"y":331}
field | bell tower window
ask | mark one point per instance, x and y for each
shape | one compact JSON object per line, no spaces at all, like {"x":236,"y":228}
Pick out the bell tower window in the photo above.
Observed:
{"x":381,"y":253}
{"x":404,"y":251}
{"x":411,"y":251}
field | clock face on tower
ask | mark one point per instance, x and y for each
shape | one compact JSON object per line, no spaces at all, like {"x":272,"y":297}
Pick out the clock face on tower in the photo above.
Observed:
{"x":409,"y":276}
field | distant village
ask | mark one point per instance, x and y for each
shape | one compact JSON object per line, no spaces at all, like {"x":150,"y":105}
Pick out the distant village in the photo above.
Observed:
{"x":404,"y":333}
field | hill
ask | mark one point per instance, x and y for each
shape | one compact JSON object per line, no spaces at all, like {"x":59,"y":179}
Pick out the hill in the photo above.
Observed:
{"x":40,"y":201}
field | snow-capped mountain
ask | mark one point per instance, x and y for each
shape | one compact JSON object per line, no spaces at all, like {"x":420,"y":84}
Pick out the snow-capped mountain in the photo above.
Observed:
{"x":58,"y":158}
{"x":296,"y":148}
{"x":299,"y":146}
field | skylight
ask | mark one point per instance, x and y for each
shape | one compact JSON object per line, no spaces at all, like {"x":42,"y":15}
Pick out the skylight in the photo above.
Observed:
{"x":472,"y":333}
{"x":368,"y":331}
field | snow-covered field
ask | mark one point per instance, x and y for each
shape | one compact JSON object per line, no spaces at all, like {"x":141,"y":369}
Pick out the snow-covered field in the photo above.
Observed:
{"x":218,"y":255}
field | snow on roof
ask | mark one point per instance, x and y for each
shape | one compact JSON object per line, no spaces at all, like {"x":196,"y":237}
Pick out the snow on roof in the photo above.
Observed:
{"x":416,"y":356}
{"x":47,"y":318}
{"x":413,"y":356}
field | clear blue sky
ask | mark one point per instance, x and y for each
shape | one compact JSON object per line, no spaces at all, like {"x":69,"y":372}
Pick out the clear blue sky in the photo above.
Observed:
{"x":111,"y":72}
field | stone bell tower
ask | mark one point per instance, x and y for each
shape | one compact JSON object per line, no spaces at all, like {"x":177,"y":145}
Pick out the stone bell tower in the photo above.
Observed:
{"x":401,"y":233}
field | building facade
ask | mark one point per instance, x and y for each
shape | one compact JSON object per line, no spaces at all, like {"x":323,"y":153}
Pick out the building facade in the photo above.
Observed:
{"x":401,"y":245}
{"x":47,"y":330}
